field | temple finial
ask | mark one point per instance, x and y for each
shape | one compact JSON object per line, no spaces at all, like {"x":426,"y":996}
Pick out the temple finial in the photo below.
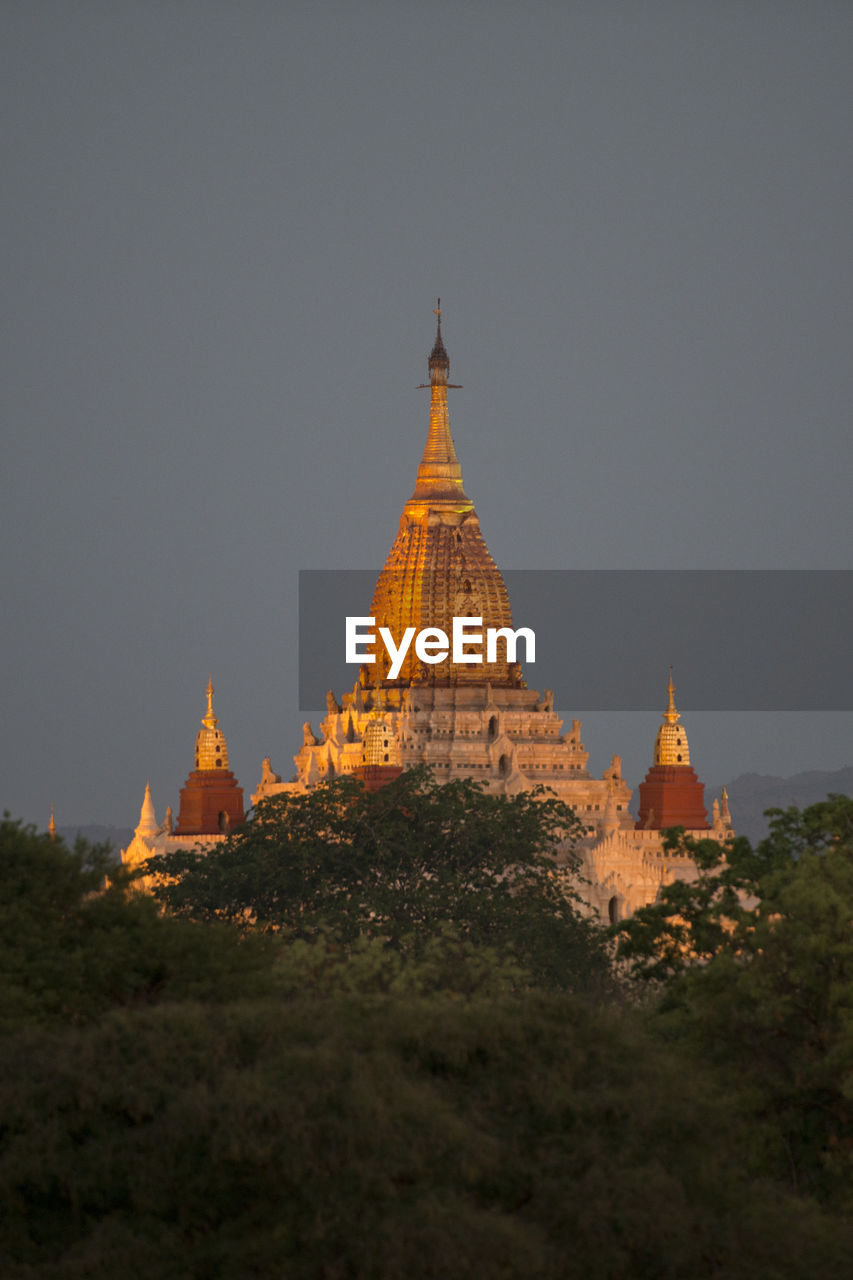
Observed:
{"x":439,"y":483}
{"x":51,"y":826}
{"x":671,"y":741}
{"x":671,"y":714}
{"x":439,"y":361}
{"x":210,"y":720}
{"x":724,"y":808}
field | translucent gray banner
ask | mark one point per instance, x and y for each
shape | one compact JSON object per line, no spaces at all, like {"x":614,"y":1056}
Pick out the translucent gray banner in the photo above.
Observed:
{"x":745,"y":640}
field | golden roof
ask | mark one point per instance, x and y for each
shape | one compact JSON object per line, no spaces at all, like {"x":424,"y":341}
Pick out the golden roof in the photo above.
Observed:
{"x":439,"y":566}
{"x":211,"y":749}
{"x":671,"y":741}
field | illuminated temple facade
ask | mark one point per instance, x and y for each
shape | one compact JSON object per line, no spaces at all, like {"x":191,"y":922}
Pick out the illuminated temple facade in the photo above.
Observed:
{"x":481,"y":721}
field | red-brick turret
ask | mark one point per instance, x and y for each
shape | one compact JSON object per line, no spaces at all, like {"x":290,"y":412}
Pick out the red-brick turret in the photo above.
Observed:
{"x":212,"y":799}
{"x":671,"y":794}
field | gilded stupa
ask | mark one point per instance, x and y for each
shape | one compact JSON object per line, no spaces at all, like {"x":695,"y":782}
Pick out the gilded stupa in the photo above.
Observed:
{"x":439,"y":566}
{"x":671,"y":746}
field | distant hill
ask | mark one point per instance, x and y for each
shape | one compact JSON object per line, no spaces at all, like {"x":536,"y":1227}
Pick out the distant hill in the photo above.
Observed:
{"x":118,"y":837}
{"x":752,"y":793}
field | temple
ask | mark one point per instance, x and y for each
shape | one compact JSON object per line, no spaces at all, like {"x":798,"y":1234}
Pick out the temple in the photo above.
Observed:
{"x":481,"y":721}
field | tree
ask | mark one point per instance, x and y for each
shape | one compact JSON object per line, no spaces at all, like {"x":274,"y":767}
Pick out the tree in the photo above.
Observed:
{"x":536,"y":1137}
{"x":75,"y":942}
{"x":371,"y":1118}
{"x":758,"y":961}
{"x":408,"y":863}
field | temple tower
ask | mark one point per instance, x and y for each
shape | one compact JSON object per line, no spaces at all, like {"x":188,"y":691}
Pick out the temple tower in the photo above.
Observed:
{"x":671,"y":794}
{"x":212,"y":799}
{"x":439,"y":566}
{"x":462,"y":720}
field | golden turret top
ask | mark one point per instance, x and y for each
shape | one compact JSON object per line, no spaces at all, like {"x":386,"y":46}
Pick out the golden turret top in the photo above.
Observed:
{"x":671,"y":741}
{"x":211,"y":749}
{"x":439,"y":481}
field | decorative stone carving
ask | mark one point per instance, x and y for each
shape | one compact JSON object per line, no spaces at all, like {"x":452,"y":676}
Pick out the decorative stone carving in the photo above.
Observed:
{"x":268,"y":778}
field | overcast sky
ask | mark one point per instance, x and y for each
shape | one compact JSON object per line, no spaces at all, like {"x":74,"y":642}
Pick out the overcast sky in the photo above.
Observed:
{"x":224,"y":226}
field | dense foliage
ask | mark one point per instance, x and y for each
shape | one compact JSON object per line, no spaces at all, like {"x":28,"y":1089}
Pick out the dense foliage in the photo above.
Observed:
{"x":406,"y":864}
{"x":418,"y":1137}
{"x":756,"y":964}
{"x":73,"y":942}
{"x":269,"y":1086}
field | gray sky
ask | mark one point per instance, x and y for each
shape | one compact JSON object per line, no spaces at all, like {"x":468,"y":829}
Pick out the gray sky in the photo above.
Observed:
{"x":224,"y":227}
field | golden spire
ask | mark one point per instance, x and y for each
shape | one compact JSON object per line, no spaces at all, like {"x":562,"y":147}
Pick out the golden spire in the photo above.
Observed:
{"x":439,"y":566}
{"x":378,"y":708}
{"x":51,"y":826}
{"x":211,"y":749}
{"x":724,"y":808}
{"x":671,"y":741}
{"x":210,"y":721}
{"x":439,"y":482}
{"x":671,"y":714}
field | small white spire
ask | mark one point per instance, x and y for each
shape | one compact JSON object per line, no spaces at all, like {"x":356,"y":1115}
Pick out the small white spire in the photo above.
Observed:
{"x":147,"y":819}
